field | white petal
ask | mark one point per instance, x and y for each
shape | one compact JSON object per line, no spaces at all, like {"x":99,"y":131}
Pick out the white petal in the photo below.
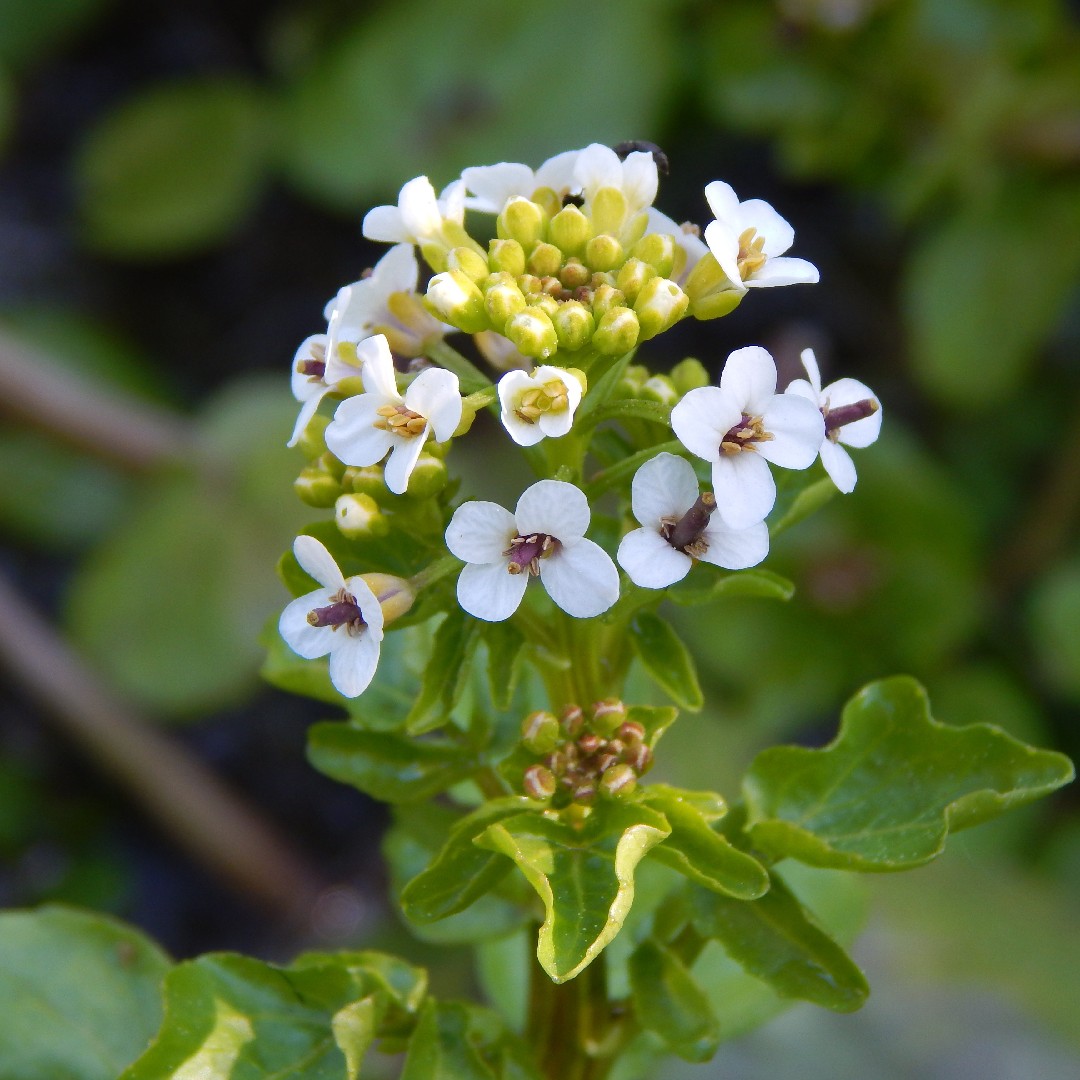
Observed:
{"x":353,"y":662}
{"x":352,"y":436}
{"x":553,"y":507}
{"x":797,"y":430}
{"x":813,"y":372}
{"x":307,"y":411}
{"x":420,"y":208}
{"x":724,"y":203}
{"x":744,"y":488}
{"x":846,"y":392}
{"x":598,"y":166}
{"x":521,"y":431}
{"x":581,"y":579}
{"x":735,"y":549}
{"x":369,"y":605}
{"x":801,"y":388}
{"x":650,"y":561}
{"x":489,"y":591}
{"x":784,"y":272}
{"x":436,"y":394}
{"x":557,"y":173}
{"x":317,"y":562}
{"x":702,"y":418}
{"x":555,"y":425}
{"x":839,"y":466}
{"x":451,"y":203}
{"x":377,"y":368}
{"x":492,"y":185}
{"x":665,"y":486}
{"x":404,"y":454}
{"x":304,"y":386}
{"x":723,"y":242}
{"x":385,"y":223}
{"x":306,"y":640}
{"x":749,"y":376}
{"x":639,"y":180}
{"x":479,"y":532}
{"x":759,"y":215}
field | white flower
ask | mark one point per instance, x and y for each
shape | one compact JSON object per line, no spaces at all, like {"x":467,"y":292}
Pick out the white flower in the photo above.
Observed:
{"x":687,"y":237}
{"x":419,"y":216}
{"x":538,"y":404}
{"x":742,"y":424}
{"x":343,"y":618}
{"x":747,"y":238}
{"x":678,"y":526}
{"x":544,"y":536}
{"x":309,"y":385}
{"x":365,"y":427}
{"x":598,"y":166}
{"x":493,"y":185}
{"x":852,"y":415}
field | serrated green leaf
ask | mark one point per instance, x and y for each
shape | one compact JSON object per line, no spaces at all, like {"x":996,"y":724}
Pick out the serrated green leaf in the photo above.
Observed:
{"x":666,"y":659}
{"x":775,"y":939}
{"x":505,"y":643}
{"x":79,"y":994}
{"x":584,"y":876}
{"x":388,"y":767}
{"x":461,"y":872}
{"x":698,"y":851}
{"x":668,"y":1001}
{"x":445,"y":673}
{"x":174,"y":169}
{"x":886,"y":792}
{"x":697,"y":588}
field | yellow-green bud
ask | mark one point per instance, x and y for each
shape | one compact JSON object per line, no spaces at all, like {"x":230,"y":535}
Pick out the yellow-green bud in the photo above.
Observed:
{"x":604,"y":252}
{"x":632,"y":277}
{"x":429,"y":476}
{"x":574,"y":325}
{"x":316,"y":486}
{"x":549,"y":200}
{"x":311,"y":441}
{"x":689,"y":374}
{"x":506,"y":255}
{"x":545,"y":260}
{"x":660,"y":388}
{"x":633,"y":379}
{"x":634,"y":229}
{"x":658,"y":250}
{"x":618,"y":782}
{"x":540,"y":732}
{"x":395,"y":595}
{"x":608,"y":211}
{"x":717,"y":305}
{"x":523,"y":221}
{"x":607,"y":715}
{"x":617,"y":332}
{"x":455,"y":298}
{"x":545,"y":303}
{"x":574,"y":274}
{"x":532,"y":331}
{"x":605,"y":299}
{"x":366,"y":480}
{"x":358,"y":516}
{"x":469,"y":262}
{"x":435,"y":255}
{"x":659,"y":306}
{"x":330,"y":464}
{"x":538,"y":783}
{"x":502,"y":301}
{"x":570,"y":230}
{"x":706,"y":279}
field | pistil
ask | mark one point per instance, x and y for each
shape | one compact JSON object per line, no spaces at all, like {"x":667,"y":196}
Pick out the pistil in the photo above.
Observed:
{"x":525,"y":552}
{"x":343,"y":611}
{"x":686,"y":533}
{"x":839,"y":417}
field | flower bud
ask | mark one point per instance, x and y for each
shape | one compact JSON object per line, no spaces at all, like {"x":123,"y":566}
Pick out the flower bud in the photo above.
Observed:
{"x":471,"y":263}
{"x":429,"y":476}
{"x":631,"y":732}
{"x":569,"y":230}
{"x":311,"y":441}
{"x":549,"y":200}
{"x":604,"y":252}
{"x":366,"y":480}
{"x":606,"y":297}
{"x":416,"y":328}
{"x":435,"y":255}
{"x":503,"y":301}
{"x":532,"y":331}
{"x":632,"y":276}
{"x":617,"y":332}
{"x":659,"y":388}
{"x":706,"y":279}
{"x":455,"y":298}
{"x":607,"y":715}
{"x":572,"y":719}
{"x":331,"y":464}
{"x":317,"y":487}
{"x":717,"y":305}
{"x":618,"y":781}
{"x":506,"y":255}
{"x":658,"y":250}
{"x":639,"y":758}
{"x":522,"y":220}
{"x":574,"y":274}
{"x":689,"y":374}
{"x":545,"y":260}
{"x":633,"y":379}
{"x":608,"y":210}
{"x":358,"y":516}
{"x":659,"y":306}
{"x":395,"y":595}
{"x":499,"y":352}
{"x":538,"y":783}
{"x":574,"y":325}
{"x":589,"y":743}
{"x":540,"y":732}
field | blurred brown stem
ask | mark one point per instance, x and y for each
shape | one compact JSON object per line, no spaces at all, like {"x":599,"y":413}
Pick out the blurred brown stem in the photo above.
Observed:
{"x":186,"y":799}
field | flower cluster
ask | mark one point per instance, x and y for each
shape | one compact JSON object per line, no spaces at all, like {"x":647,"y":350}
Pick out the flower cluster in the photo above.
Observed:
{"x":582,"y":269}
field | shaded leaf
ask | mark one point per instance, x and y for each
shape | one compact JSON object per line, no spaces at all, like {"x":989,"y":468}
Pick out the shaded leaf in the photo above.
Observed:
{"x":697,"y":588}
{"x":505,"y":643}
{"x":797,"y":504}
{"x":445,"y":673}
{"x":666,"y":659}
{"x":885,"y":793}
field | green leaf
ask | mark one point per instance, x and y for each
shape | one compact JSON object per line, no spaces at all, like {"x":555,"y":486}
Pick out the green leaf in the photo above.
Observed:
{"x":388,"y":767}
{"x":461,"y":872}
{"x":79,"y":994}
{"x":668,"y":1001}
{"x":698,"y":851}
{"x":701,"y":588}
{"x":505,"y":644}
{"x":633,"y":409}
{"x":584,"y":876}
{"x":1055,"y":627}
{"x":446,"y":672}
{"x":626,"y":465}
{"x":174,"y":169}
{"x":666,"y":659}
{"x":885,"y":793}
{"x":28,"y":31}
{"x":775,"y":939}
{"x":795,"y":507}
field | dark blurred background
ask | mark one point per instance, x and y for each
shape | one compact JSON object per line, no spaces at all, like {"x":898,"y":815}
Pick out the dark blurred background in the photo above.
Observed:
{"x":181,"y":187}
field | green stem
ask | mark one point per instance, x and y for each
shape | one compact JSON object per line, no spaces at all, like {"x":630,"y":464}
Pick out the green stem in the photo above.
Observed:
{"x":472,"y":379}
{"x":435,"y":571}
{"x":612,"y":475}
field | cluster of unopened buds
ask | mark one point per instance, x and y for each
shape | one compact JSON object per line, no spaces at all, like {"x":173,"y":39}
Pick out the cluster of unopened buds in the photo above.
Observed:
{"x":583,"y":756}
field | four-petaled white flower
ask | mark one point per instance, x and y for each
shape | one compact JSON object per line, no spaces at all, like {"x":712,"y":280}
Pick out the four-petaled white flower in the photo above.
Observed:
{"x":598,"y":166}
{"x":852,"y":416}
{"x":741,"y":425}
{"x":747,"y":240}
{"x":538,"y":404}
{"x":365,"y":427}
{"x":419,"y":216}
{"x":493,"y":185}
{"x":343,"y":618}
{"x":544,"y":536}
{"x":678,"y":526}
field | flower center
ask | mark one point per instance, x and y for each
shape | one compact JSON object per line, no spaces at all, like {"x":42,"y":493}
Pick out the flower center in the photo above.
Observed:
{"x":551,"y":397}
{"x":685,"y":533}
{"x":316,"y":366}
{"x":343,"y":611}
{"x":837,"y":418}
{"x":399,"y":420}
{"x":751,"y":256}
{"x":749,"y":430}
{"x":525,"y":552}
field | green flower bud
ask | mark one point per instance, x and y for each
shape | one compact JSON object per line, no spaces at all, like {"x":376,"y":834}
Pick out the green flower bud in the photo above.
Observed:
{"x":330,"y":464}
{"x":540,"y":732}
{"x":706,"y":279}
{"x":617,"y":332}
{"x":317,"y":487}
{"x":618,"y":782}
{"x":395,"y":595}
{"x":605,"y":298}
{"x":660,"y":388}
{"x":574,"y":274}
{"x":607,"y":715}
{"x":549,"y":200}
{"x":545,"y":260}
{"x":570,"y":230}
{"x":604,"y":252}
{"x":366,"y":480}
{"x":634,"y":229}
{"x":358,"y":516}
{"x":608,"y":211}
{"x":533,"y":332}
{"x":429,"y":476}
{"x":633,"y":379}
{"x":472,"y":264}
{"x":506,"y":255}
{"x":538,"y":783}
{"x":574,"y":325}
{"x":632,"y":277}
{"x":503,"y":301}
{"x":572,"y":719}
{"x":717,"y":305}
{"x":689,"y":374}
{"x":311,"y":441}
{"x":659,"y":306}
{"x":545,"y":303}
{"x":658,"y":250}
{"x":455,"y":298}
{"x":435,"y":255}
{"x":522,"y":220}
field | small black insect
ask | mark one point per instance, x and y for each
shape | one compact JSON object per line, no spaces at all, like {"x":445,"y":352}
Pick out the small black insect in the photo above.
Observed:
{"x":625,"y":149}
{"x":573,"y":200}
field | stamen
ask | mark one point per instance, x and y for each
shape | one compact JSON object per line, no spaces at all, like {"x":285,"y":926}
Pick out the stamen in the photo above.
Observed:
{"x":525,"y":552}
{"x":749,"y":430}
{"x":343,"y":611}
{"x":751,"y":254}
{"x":399,"y":420}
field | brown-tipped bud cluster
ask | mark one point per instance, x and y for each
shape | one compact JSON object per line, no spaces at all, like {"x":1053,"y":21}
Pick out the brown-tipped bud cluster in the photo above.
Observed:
{"x":585,"y":753}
